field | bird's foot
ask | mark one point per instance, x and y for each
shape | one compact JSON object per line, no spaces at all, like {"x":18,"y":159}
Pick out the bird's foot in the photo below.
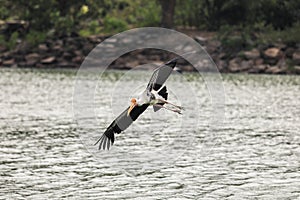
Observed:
{"x":179,"y":107}
{"x":172,"y":104}
{"x":175,"y":110}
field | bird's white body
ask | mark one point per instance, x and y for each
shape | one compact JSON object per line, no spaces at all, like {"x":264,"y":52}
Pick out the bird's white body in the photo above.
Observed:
{"x":149,"y":97}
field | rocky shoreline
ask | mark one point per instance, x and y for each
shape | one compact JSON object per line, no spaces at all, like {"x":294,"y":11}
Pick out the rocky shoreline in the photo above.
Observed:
{"x":69,"y":52}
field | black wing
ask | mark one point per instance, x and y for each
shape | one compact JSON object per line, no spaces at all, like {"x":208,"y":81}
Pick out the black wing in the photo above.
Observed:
{"x":118,"y":125}
{"x":161,"y":74}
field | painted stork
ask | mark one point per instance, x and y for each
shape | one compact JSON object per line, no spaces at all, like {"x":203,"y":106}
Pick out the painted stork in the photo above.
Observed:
{"x":154,"y":95}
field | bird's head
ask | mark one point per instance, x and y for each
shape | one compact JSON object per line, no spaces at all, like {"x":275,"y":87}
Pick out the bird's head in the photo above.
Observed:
{"x":133,"y":103}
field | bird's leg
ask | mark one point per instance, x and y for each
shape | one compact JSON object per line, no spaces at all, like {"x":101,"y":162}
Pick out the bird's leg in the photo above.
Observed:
{"x":167,"y":102}
{"x":174,"y":110}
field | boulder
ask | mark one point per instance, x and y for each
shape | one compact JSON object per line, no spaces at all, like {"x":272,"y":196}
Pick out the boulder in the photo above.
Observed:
{"x":281,"y":46}
{"x":272,"y":55}
{"x":259,"y":61}
{"x":78,"y":53}
{"x":296,"y":57}
{"x":234,"y":65}
{"x":297,"y":69}
{"x":48,"y":60}
{"x":282,"y":63}
{"x":253,"y":54}
{"x":246,"y":65}
{"x":57,"y":49}
{"x":289,"y":52}
{"x":43,"y":48}
{"x":275,"y":70}
{"x":77,"y":59}
{"x":8,"y":63}
{"x":67,"y":56}
{"x":2,"y":48}
{"x":258,"y":69}
{"x":188,"y":68}
{"x":221,"y":64}
{"x":130,"y":65}
{"x":32,"y":59}
{"x":212,"y":45}
{"x":65,"y":64}
{"x":272,"y":52}
{"x":222,"y":55}
{"x":201,"y":40}
{"x":87,"y":48}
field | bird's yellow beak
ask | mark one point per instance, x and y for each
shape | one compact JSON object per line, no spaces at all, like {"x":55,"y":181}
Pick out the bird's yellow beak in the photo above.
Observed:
{"x":130,"y":108}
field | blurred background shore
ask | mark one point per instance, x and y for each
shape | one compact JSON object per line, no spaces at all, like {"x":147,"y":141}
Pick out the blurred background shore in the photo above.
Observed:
{"x":241,"y":36}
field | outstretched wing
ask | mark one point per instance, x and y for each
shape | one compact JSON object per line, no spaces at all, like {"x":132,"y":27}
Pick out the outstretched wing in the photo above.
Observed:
{"x":118,"y":125}
{"x":161,"y":74}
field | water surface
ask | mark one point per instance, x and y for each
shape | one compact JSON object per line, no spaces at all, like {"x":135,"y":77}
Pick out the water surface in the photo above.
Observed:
{"x":254,"y":153}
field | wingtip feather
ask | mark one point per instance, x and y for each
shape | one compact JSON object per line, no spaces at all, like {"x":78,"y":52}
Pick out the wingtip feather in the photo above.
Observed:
{"x":104,"y":142}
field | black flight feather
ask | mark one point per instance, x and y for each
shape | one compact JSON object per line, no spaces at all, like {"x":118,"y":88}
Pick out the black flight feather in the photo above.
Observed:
{"x":121,"y":123}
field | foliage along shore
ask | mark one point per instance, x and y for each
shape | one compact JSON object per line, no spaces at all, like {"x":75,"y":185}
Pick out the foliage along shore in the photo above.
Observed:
{"x":231,"y":54}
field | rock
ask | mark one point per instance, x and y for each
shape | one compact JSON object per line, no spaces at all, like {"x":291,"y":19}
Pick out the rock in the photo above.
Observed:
{"x":61,"y":42}
{"x":289,"y":52}
{"x":259,"y":61}
{"x":24,"y":64}
{"x":297,"y":69}
{"x":142,"y":59}
{"x":280,"y":46}
{"x":253,"y":54}
{"x":23,"y":47}
{"x":272,"y":55}
{"x":77,"y":59}
{"x":282,"y":64}
{"x":87,"y":48}
{"x":94,"y":39}
{"x":296,"y":57}
{"x":67,"y":56}
{"x":275,"y":70}
{"x":32,"y":59}
{"x":57,"y":49}
{"x":154,"y":57}
{"x":258,"y":69}
{"x":131,"y":64}
{"x":221,"y":64}
{"x":188,"y":68}
{"x":67,"y":65}
{"x":48,"y":60}
{"x":272,"y":52}
{"x":246,"y":65}
{"x":2,"y":48}
{"x":200,"y":40}
{"x":222,"y":55}
{"x":7,"y":55}
{"x":212,"y":45}
{"x":8,"y":63}
{"x":43,"y":48}
{"x":39,"y":65}
{"x":78,"y":53}
{"x":234,"y":65}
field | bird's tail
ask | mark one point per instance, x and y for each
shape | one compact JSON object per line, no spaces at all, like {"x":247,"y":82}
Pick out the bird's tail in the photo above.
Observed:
{"x":104,"y":143}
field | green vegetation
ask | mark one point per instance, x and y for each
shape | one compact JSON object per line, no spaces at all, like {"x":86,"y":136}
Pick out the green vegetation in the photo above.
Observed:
{"x":238,"y":23}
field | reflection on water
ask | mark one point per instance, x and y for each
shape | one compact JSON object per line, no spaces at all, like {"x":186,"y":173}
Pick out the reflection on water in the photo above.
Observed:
{"x":255,"y":153}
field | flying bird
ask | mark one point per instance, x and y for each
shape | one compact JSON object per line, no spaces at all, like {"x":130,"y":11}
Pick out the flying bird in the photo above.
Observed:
{"x":155,"y":95}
